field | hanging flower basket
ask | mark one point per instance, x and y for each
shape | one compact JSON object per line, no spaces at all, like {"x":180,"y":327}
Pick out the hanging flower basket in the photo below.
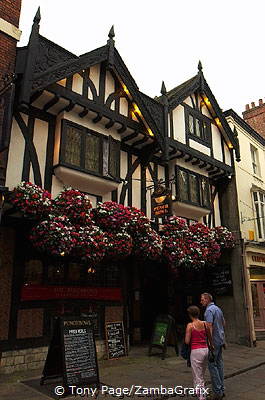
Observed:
{"x":224,"y":237}
{"x":89,"y":244}
{"x":76,"y":205}
{"x":54,"y":236}
{"x":31,"y":200}
{"x":118,"y":245}
{"x":147,"y":245}
{"x":175,"y":226}
{"x":111,"y":216}
{"x":138,"y":221}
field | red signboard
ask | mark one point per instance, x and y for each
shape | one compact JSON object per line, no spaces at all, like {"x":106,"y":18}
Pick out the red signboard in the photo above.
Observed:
{"x":36,"y":292}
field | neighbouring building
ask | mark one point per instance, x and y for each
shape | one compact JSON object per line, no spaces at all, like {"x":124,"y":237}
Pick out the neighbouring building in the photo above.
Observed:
{"x":250,"y":178}
{"x":82,"y":121}
{"x":255,"y":116}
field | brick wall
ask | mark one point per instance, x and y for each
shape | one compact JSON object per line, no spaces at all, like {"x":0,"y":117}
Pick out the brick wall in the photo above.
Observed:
{"x":254,"y":115}
{"x":10,"y":12}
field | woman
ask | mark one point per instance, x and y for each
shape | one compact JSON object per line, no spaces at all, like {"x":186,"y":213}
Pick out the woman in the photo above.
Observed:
{"x":196,"y":336}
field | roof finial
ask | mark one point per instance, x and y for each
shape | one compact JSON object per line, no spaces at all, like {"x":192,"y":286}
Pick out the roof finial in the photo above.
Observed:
{"x":37,"y":17}
{"x":200,"y":66}
{"x":163,"y":88}
{"x":111,"y":33}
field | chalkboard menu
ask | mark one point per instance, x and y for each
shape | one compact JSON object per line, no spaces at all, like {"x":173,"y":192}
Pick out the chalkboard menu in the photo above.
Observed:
{"x":221,"y":280}
{"x":72,"y":353}
{"x":80,"y":357}
{"x":115,"y":340}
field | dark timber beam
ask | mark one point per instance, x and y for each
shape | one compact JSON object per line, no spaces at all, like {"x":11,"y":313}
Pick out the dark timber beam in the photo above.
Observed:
{"x":83,"y":113}
{"x":97,"y":118}
{"x":31,"y":149}
{"x":130,"y":137}
{"x":109,"y":124}
{"x":51,"y":103}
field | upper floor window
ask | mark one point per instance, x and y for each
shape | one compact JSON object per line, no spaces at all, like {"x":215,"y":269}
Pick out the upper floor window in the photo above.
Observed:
{"x":259,"y":203}
{"x":90,"y":151}
{"x":254,"y":159}
{"x":192,"y":188}
{"x":198,"y":126}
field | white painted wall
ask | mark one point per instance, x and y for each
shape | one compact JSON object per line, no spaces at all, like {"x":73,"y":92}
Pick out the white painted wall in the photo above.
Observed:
{"x":15,"y":155}
{"x":40,"y":137}
{"x":94,"y":75}
{"x":179,"y":124}
{"x":217,"y":145}
{"x":109,"y":85}
{"x":124,"y":106}
{"x":200,"y":147}
{"x":228,"y":159}
{"x":77,"y":84}
{"x":136,"y":184}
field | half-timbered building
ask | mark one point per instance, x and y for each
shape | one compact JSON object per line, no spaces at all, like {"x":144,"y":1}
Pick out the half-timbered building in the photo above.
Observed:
{"x":81,"y":121}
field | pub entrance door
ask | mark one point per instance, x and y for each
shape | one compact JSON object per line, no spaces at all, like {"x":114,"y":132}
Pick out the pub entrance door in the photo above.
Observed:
{"x":258,"y":300}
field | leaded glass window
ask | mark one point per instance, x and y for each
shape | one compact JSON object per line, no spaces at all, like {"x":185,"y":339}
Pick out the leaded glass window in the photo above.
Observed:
{"x":183,"y":186}
{"x":198,"y":125}
{"x":194,"y":189}
{"x":114,"y":162}
{"x":191,"y":125}
{"x":205,"y":192}
{"x":92,"y":152}
{"x":72,"y":154}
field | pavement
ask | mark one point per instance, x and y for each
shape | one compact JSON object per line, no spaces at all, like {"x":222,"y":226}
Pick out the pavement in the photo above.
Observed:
{"x":136,"y":374}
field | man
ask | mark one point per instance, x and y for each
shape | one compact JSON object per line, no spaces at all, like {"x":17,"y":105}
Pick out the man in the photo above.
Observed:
{"x":213,"y":315}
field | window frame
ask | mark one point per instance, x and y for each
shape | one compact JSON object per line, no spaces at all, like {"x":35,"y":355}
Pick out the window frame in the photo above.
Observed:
{"x":255,"y":159}
{"x":260,"y":221}
{"x":103,"y":138}
{"x":193,"y":114}
{"x":199,"y":178}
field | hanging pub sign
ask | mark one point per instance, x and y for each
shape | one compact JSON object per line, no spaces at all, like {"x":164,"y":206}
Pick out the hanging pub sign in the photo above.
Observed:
{"x":161,"y":202}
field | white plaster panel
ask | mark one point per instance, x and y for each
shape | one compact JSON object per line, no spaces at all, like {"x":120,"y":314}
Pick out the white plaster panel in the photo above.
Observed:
{"x":57,"y":140}
{"x":217,"y":146}
{"x":136,"y":186}
{"x":15,"y":156}
{"x":40,"y":138}
{"x":124,"y":106}
{"x":179,"y":124}
{"x":88,"y":123}
{"x":227,"y":155}
{"x":110,"y":85}
{"x":200,"y":147}
{"x":149,"y":182}
{"x":217,"y":211}
{"x":181,"y":163}
{"x":94,"y":76}
{"x":106,"y":197}
{"x":77,"y":84}
{"x":204,"y":109}
{"x":188,"y":101}
{"x":161,"y":172}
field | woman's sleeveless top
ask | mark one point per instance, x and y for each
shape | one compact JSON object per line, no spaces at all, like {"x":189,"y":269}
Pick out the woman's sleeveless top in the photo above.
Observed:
{"x":198,"y":339}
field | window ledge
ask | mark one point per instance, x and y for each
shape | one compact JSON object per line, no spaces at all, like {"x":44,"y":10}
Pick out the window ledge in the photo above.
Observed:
{"x":85,"y":181}
{"x":189,"y":210}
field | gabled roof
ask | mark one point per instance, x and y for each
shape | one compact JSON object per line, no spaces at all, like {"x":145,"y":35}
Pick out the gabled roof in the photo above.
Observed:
{"x":198,"y":83}
{"x":43,"y":63}
{"x":244,"y":125}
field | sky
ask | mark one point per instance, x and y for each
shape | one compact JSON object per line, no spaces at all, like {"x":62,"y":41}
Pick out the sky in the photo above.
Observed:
{"x":163,"y":40}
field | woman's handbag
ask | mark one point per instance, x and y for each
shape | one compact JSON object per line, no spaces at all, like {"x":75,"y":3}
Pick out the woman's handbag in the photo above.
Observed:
{"x":211,"y":356}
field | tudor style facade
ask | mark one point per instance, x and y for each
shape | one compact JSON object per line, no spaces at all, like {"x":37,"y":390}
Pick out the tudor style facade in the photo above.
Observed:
{"x":82,"y":122}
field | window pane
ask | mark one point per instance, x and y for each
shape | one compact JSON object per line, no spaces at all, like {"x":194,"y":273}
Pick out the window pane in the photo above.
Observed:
{"x":191,"y":126}
{"x":194,"y":189}
{"x":258,"y":220}
{"x":255,"y":195}
{"x":72,"y":146}
{"x":114,"y":158}
{"x":183,"y":183}
{"x":205,"y":192}
{"x":197,"y":128}
{"x":204,"y":130}
{"x":92,"y":153}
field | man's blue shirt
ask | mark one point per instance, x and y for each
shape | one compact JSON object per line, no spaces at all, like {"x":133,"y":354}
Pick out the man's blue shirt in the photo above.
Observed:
{"x":214,"y":315}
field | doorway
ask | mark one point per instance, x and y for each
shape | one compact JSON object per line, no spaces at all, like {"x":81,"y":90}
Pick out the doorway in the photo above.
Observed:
{"x":258,"y":301}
